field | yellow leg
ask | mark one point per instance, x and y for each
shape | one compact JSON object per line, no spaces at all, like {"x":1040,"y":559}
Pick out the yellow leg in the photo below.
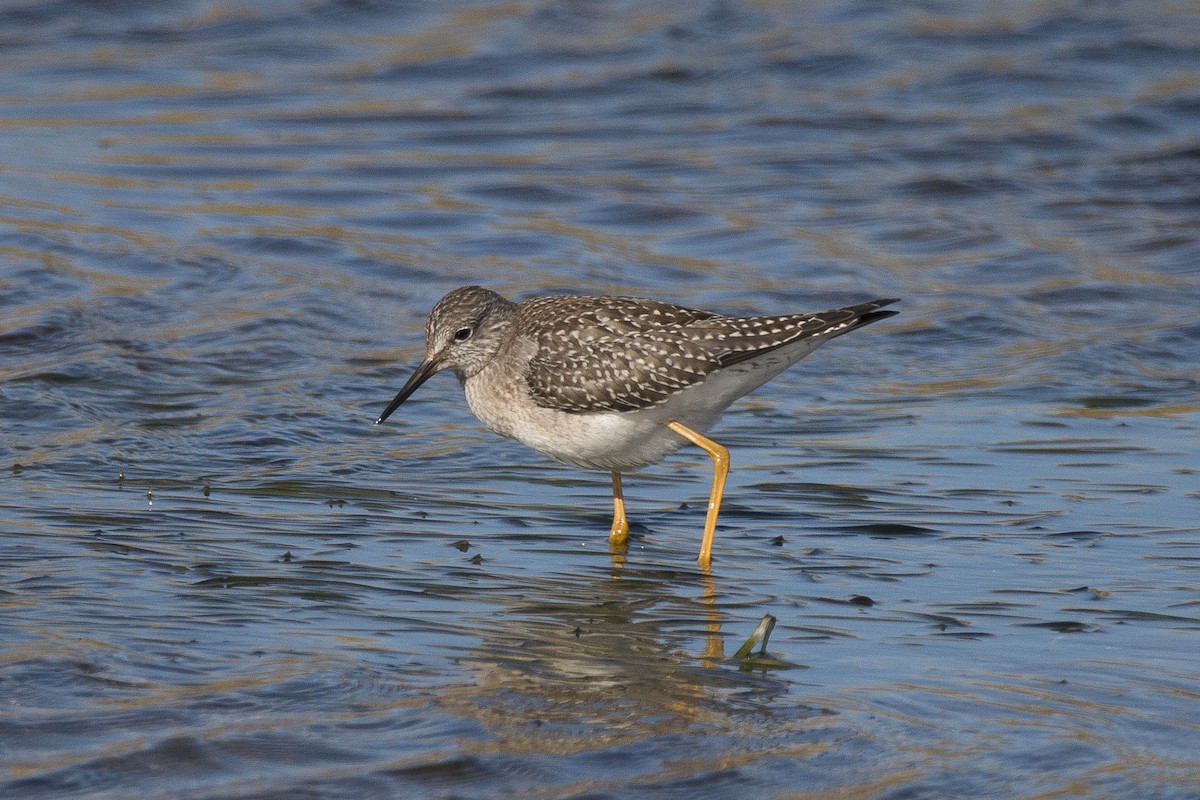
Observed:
{"x":619,"y":535}
{"x":720,"y":458}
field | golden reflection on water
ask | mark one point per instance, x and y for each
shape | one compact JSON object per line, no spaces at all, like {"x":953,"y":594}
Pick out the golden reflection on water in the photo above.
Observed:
{"x":713,"y":651}
{"x":137,"y":237}
{"x":1163,"y":411}
{"x":714,"y":643}
{"x":868,"y":789}
{"x":582,"y":677}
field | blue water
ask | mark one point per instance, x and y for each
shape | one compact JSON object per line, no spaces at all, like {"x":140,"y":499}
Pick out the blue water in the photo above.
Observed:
{"x":222,"y":226}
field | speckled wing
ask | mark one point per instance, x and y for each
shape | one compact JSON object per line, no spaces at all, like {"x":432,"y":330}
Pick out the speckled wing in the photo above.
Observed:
{"x":625,"y":354}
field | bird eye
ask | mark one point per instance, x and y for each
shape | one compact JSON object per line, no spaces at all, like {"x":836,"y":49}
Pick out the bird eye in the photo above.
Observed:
{"x":462,"y":334}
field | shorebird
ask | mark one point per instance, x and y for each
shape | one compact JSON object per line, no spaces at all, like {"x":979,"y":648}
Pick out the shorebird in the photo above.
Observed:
{"x":614,"y":383}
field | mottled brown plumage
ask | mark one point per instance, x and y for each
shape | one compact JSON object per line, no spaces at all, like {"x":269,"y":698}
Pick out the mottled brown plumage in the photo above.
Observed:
{"x":626,"y":353}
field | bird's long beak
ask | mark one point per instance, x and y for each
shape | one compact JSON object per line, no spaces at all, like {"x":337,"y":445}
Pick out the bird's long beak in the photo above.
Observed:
{"x":422,"y":374}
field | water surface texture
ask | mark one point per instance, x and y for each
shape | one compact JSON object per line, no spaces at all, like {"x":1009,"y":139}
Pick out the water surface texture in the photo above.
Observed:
{"x":222,"y":225}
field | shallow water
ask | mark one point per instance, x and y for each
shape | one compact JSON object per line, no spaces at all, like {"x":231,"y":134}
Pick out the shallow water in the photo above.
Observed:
{"x":221,"y":228}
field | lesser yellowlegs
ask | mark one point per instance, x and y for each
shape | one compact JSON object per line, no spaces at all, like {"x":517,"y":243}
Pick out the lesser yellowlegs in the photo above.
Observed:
{"x":614,"y":383}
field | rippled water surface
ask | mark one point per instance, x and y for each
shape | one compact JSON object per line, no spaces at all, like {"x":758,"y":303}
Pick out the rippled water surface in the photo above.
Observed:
{"x":222,"y":225}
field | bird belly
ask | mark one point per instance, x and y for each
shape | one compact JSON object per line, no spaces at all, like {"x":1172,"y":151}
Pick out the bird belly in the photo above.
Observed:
{"x":609,"y":440}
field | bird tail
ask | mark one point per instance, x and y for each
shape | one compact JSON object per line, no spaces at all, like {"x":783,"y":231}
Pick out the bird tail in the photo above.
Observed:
{"x":868,"y":313}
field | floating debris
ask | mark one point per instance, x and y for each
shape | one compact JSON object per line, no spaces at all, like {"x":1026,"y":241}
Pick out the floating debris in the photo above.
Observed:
{"x":749,"y":658}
